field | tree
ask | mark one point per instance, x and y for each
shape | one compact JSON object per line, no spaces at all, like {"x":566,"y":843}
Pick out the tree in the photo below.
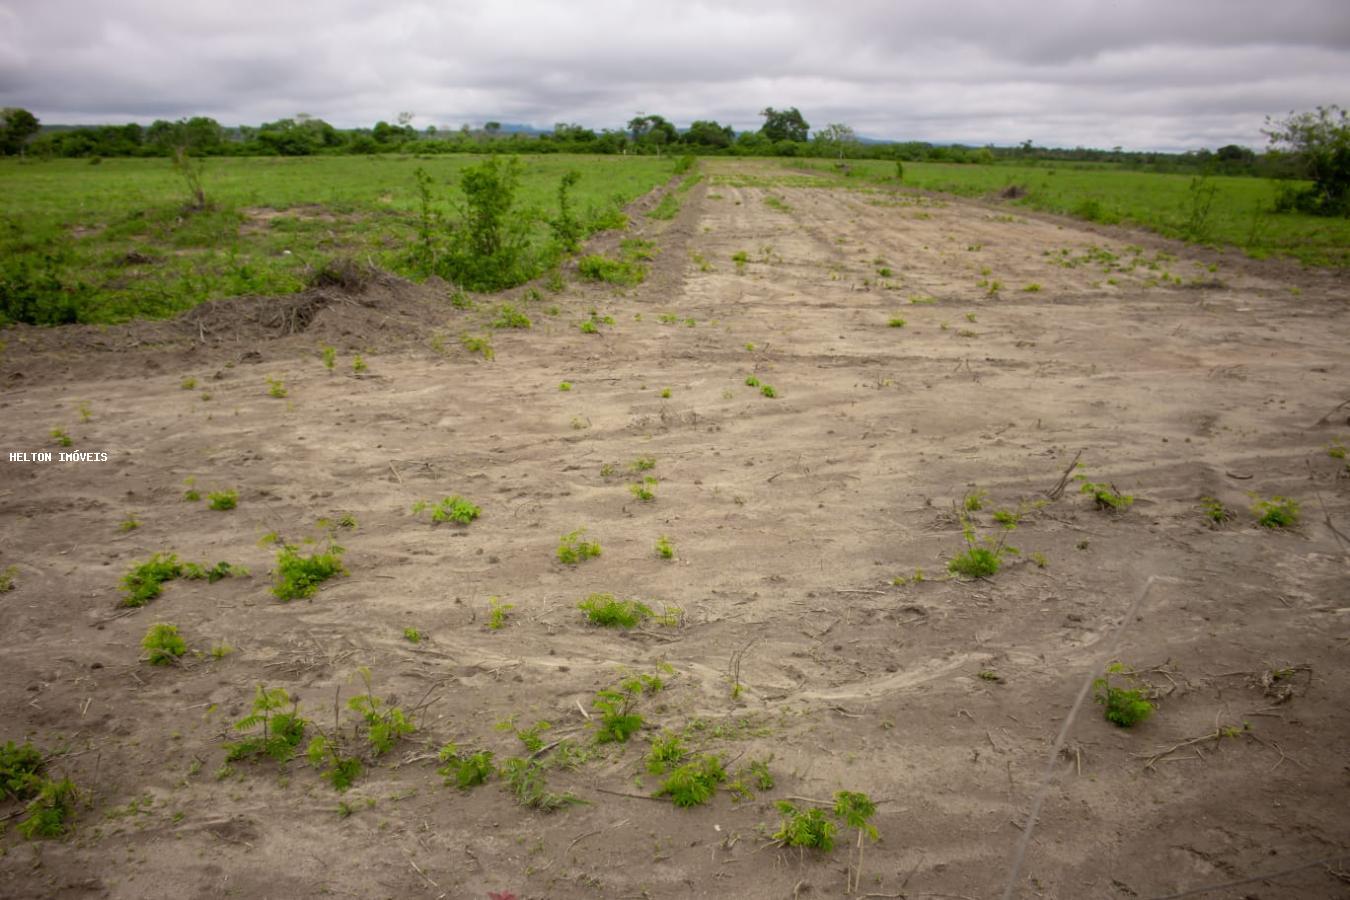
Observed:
{"x":16,"y":127}
{"x":652,"y":131}
{"x":784,"y":125}
{"x":835,"y":138}
{"x":709,"y":134}
{"x":1320,"y":143}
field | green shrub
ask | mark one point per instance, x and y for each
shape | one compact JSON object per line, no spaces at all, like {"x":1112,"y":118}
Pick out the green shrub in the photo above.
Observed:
{"x":488,"y":245}
{"x":1277,"y":512}
{"x":981,"y":558}
{"x":47,"y":814}
{"x":300,"y":576}
{"x":467,"y":770}
{"x":1125,"y":707}
{"x":666,"y":751}
{"x":804,"y":828}
{"x":693,"y":783}
{"x":21,"y":770}
{"x":277,"y":731}
{"x":529,"y":782}
{"x":450,"y":509}
{"x":606,"y":611}
{"x":164,"y":644}
{"x":573,"y":548}
{"x":223,"y":500}
{"x":618,"y":722}
{"x":510,"y":317}
{"x":145,"y":582}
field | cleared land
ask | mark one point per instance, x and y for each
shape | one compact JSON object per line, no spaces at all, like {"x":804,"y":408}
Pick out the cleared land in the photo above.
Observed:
{"x":1177,"y":373}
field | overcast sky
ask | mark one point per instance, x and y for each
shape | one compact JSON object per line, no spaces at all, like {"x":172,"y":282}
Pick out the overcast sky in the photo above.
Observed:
{"x":1177,"y":74}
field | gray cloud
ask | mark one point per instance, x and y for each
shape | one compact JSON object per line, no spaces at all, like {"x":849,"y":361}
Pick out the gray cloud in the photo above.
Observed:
{"x":1137,"y":73}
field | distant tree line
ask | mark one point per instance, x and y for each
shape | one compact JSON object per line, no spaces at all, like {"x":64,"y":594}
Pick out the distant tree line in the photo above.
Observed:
{"x":1307,"y":145}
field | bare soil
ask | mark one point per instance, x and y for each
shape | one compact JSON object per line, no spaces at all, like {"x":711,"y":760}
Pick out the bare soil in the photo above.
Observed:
{"x":791,"y":516}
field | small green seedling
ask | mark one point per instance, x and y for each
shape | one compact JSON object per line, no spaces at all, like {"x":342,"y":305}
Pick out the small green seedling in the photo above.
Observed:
{"x":751,"y":381}
{"x":529,"y":782}
{"x":188,"y":384}
{"x":1107,"y":497}
{"x":666,"y":751}
{"x":223,"y":500}
{"x":664,"y":548}
{"x":896,"y":322}
{"x":1215,"y":511}
{"x":329,"y":356}
{"x":498,"y":612}
{"x":618,"y":722}
{"x":480,"y":345}
{"x":412,"y":635}
{"x":359,"y":365}
{"x":191,"y":495}
{"x":300,"y":576}
{"x":768,"y":391}
{"x":49,"y":812}
{"x":7,"y":578}
{"x":565,"y":386}
{"x":665,"y":393}
{"x":1336,"y":451}
{"x":21,"y":771}
{"x":1277,"y":512}
{"x":450,"y":509}
{"x":62,"y":438}
{"x":277,"y":730}
{"x":981,"y":558}
{"x":217,"y":572}
{"x":974,"y":501}
{"x":467,"y":770}
{"x":1125,"y":707}
{"x":163,"y":644}
{"x":385,"y":725}
{"x":643,"y":464}
{"x":644,"y":490}
{"x":130,"y":523}
{"x":510,"y":317}
{"x":276,"y":388}
{"x":608,"y":612}
{"x":86,"y":413}
{"x":145,"y":582}
{"x":693,"y":783}
{"x":856,"y":811}
{"x":573,"y":548}
{"x":804,"y":828}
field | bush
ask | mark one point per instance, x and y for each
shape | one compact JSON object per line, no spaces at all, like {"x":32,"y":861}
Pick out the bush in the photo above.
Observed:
{"x":164,"y":644}
{"x":31,"y":291}
{"x":1320,"y":142}
{"x":300,"y":576}
{"x":489,"y":243}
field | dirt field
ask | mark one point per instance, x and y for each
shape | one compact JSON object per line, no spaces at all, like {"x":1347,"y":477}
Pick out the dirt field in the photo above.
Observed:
{"x":790,"y":517}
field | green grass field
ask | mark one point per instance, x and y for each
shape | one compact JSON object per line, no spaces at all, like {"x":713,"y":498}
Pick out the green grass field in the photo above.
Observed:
{"x":1240,"y":211}
{"x":118,"y":240}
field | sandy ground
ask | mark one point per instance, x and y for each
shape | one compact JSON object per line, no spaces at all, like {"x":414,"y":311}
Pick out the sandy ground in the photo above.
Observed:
{"x":790,"y":516}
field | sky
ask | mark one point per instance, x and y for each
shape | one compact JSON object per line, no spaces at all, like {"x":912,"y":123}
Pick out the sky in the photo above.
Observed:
{"x":1141,"y":74}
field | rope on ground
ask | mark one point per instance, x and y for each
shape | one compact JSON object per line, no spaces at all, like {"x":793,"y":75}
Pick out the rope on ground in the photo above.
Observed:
{"x":1019,"y":855}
